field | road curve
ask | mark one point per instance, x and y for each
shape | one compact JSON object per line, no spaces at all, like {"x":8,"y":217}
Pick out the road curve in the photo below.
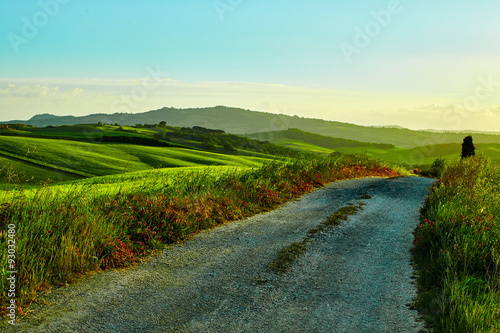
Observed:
{"x":354,"y":278}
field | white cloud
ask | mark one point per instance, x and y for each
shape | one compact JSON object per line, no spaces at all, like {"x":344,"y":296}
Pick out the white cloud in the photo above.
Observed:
{"x":37,"y":91}
{"x":25,"y":91}
{"x":77,"y":91}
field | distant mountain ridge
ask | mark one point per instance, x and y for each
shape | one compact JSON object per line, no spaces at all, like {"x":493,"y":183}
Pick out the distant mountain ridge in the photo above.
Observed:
{"x":240,"y":121}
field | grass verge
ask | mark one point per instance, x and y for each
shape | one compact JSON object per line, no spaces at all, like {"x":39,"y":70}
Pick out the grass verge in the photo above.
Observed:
{"x":457,"y":249}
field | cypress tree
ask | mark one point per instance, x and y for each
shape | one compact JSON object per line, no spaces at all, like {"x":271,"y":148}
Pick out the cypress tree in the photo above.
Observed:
{"x":468,"y":148}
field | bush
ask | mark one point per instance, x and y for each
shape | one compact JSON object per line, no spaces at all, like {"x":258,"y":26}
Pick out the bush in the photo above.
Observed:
{"x":437,"y":167}
{"x":209,"y":145}
{"x":159,"y":136}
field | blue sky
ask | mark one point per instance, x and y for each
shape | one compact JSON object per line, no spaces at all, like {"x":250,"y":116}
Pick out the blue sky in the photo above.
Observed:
{"x":419,"y":64}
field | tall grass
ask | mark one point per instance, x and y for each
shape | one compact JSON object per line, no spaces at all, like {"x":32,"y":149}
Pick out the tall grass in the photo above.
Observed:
{"x":457,"y":249}
{"x":63,"y":231}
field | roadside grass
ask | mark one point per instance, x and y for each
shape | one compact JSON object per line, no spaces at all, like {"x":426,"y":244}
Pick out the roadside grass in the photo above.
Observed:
{"x":457,"y":249}
{"x":63,"y":231}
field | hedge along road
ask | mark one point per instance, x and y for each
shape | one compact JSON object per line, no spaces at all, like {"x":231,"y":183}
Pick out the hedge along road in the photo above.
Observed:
{"x":355,"y":277}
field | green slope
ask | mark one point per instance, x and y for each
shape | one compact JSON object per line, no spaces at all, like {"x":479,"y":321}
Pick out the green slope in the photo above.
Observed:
{"x":142,"y":181}
{"x":427,"y":154}
{"x":153,"y":135}
{"x":301,"y":140}
{"x":17,"y":171}
{"x":295,"y":138}
{"x":35,"y":156}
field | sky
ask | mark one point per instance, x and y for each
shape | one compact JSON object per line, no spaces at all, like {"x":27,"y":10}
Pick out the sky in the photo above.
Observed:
{"x":419,"y":64}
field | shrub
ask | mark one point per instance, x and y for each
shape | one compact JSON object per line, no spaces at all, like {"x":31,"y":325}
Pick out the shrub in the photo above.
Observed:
{"x":437,"y":167}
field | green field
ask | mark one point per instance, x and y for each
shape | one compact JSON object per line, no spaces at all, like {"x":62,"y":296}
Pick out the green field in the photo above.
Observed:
{"x":67,"y":153}
{"x":61,"y":160}
{"x":426,"y":154}
{"x":74,"y":152}
{"x":410,"y":157}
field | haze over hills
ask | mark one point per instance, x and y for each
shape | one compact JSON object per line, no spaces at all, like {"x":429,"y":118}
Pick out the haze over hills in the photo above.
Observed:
{"x":240,"y":121}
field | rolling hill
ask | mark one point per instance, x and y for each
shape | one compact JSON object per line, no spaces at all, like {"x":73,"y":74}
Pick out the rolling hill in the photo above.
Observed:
{"x":70,"y":152}
{"x":420,"y":155}
{"x":37,"y":159}
{"x":240,"y":121}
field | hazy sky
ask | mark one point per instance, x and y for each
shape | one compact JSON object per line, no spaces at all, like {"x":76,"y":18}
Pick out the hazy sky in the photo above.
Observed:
{"x":418,"y":64}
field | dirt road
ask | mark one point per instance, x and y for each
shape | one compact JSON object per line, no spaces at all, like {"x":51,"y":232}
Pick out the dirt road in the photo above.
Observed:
{"x":354,"y":278}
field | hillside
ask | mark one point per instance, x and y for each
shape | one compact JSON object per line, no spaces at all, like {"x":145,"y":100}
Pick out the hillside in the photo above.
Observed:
{"x":33,"y":160}
{"x":411,"y":157}
{"x":154,"y":135}
{"x":240,"y":121}
{"x":295,"y":138}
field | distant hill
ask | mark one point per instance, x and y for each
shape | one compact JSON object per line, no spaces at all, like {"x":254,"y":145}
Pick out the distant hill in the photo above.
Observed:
{"x":411,"y":157}
{"x":296,"y":138}
{"x":240,"y":121}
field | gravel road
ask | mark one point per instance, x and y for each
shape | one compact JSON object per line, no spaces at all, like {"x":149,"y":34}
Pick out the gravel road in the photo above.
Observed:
{"x":353,"y":278}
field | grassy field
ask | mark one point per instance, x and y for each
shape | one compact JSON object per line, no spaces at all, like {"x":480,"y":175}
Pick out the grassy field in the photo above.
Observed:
{"x":410,"y":157}
{"x":15,"y":171}
{"x":457,"y":249}
{"x":155,"y":135}
{"x":64,"y":230}
{"x":36,"y":159}
{"x":419,"y":156}
{"x":138,"y":182}
{"x":426,"y":154}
